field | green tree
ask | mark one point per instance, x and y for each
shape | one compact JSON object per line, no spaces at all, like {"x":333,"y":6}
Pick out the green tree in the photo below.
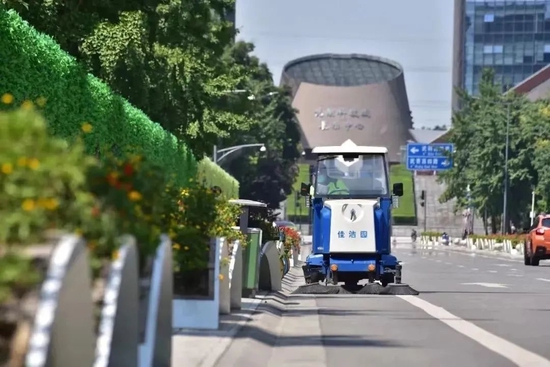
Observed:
{"x":266,"y":176}
{"x":479,"y":133}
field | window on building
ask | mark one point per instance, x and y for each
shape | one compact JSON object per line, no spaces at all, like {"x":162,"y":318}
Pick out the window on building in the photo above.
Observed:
{"x":493,"y":49}
{"x":489,"y":18}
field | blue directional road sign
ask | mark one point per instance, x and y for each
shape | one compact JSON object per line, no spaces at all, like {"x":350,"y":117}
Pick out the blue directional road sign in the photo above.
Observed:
{"x":429,"y":157}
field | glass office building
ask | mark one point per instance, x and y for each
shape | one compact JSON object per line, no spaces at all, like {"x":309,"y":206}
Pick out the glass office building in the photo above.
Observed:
{"x":512,"y":37}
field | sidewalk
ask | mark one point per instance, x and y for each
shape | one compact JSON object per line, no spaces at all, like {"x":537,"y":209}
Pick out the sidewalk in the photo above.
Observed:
{"x":203,"y":348}
{"x":194,"y":348}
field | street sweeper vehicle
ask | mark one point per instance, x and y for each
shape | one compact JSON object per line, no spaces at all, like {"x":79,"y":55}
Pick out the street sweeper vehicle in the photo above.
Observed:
{"x":351,"y":201}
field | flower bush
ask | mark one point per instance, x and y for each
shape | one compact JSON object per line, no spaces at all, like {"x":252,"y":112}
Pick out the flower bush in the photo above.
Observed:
{"x":129,"y":200}
{"x":202,"y":213}
{"x":291,"y":241}
{"x":51,"y":186}
{"x":40,"y":192}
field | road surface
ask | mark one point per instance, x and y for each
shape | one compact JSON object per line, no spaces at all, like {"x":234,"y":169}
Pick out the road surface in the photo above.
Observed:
{"x":472,"y":311}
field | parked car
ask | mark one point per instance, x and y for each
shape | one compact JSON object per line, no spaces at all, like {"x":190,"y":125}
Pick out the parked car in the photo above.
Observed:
{"x":537,"y":241}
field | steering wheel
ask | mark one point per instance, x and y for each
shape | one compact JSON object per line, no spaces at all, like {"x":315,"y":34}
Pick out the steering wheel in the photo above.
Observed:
{"x":335,"y":191}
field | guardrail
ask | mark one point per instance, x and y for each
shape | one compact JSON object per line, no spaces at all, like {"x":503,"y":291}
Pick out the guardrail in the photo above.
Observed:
{"x":129,"y":331}
{"x":505,"y":246}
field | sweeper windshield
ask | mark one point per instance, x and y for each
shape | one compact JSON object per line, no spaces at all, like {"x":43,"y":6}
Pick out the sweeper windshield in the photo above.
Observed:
{"x":351,"y":176}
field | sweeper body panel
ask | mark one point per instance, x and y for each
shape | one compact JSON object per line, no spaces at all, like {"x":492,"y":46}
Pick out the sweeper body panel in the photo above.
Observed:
{"x":351,"y":204}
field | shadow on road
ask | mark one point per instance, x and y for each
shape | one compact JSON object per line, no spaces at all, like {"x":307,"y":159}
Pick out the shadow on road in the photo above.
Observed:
{"x":268,"y":338}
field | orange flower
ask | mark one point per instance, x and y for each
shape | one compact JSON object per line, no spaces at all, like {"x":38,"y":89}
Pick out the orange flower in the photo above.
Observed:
{"x":112,"y":179}
{"x":95,"y":211}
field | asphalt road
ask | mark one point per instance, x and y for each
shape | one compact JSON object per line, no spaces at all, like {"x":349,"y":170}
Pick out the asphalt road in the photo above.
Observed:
{"x":472,"y":310}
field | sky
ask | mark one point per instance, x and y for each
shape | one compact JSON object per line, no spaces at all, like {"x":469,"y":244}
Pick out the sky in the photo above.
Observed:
{"x":418,"y":34}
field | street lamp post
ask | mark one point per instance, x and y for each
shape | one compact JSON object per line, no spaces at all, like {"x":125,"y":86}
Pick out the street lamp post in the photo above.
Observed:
{"x":505,"y":199}
{"x":227,"y":151}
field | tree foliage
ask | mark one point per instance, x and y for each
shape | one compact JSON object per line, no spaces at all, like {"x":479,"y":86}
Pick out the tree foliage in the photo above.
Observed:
{"x":479,"y":133}
{"x":264,"y":176}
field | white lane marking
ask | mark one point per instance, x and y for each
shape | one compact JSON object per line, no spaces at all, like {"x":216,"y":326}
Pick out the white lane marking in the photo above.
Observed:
{"x":488,"y":285}
{"x":543,"y":280}
{"x":437,"y":261}
{"x":492,"y":271}
{"x":515,"y":275}
{"x":502,"y":264}
{"x":513,"y":269}
{"x":460,"y":266}
{"x":514,"y":353}
{"x":476,"y":269}
{"x":447,"y":263}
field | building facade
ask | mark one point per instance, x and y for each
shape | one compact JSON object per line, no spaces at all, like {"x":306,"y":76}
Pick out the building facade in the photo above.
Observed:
{"x":416,"y":34}
{"x":357,"y":97}
{"x":511,"y":36}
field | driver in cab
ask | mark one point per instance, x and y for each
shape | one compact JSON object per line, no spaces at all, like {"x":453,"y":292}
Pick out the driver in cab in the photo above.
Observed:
{"x":367,"y":182}
{"x":325,"y":184}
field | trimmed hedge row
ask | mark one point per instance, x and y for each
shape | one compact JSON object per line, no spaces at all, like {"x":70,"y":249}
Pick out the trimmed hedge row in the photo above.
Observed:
{"x":215,"y":175}
{"x":35,"y":68}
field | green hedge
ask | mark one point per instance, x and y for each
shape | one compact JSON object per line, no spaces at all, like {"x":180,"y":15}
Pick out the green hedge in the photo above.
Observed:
{"x":34,"y":66}
{"x":214,"y":175}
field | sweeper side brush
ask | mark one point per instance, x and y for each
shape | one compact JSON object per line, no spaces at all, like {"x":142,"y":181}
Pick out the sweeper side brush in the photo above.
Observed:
{"x":372,"y":288}
{"x":396,"y":289}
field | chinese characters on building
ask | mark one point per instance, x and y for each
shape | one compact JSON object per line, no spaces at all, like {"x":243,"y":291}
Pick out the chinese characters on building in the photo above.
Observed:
{"x":341,"y":118}
{"x":352,"y":234}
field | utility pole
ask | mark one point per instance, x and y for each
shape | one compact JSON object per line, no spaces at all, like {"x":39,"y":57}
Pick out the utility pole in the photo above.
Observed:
{"x":532,"y":214}
{"x":505,"y":200}
{"x":423,"y":204}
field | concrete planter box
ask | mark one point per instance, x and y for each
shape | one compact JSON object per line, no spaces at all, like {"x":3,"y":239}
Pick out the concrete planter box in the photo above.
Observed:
{"x":201,"y":312}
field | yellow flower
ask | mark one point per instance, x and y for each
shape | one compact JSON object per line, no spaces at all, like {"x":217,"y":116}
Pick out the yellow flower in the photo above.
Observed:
{"x":220,"y":277}
{"x":28,"y":205}
{"x":186,"y":248}
{"x":185,"y":192}
{"x":22,"y":162}
{"x":34,"y":164}
{"x":115,"y":255}
{"x":136,"y":159}
{"x":87,"y":127}
{"x":134,"y":195}
{"x":7,"y":98}
{"x":7,"y":168}
{"x":176,"y":247}
{"x":51,"y":204}
{"x":41,"y":101}
{"x":27,"y":105}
